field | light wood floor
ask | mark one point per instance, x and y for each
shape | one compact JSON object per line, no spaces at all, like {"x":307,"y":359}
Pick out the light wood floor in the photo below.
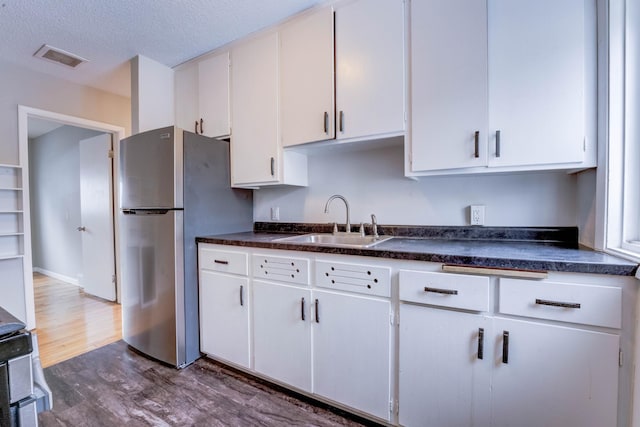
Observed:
{"x":70,"y":322}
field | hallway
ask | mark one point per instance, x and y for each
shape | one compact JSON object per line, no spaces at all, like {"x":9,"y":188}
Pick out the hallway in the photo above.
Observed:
{"x":70,"y":322}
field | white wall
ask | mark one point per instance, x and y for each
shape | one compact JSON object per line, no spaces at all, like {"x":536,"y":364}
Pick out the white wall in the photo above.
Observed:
{"x":54,"y":180}
{"x":373,"y":182}
{"x":38,"y":90}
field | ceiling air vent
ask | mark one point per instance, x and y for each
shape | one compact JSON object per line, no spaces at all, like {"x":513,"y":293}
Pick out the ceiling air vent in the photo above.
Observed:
{"x":60,"y":56}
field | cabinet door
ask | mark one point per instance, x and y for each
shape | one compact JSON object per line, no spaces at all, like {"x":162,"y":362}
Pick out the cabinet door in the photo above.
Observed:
{"x":186,"y":88}
{"x":351,"y":338}
{"x":254,"y":111}
{"x":369,"y":68}
{"x":445,"y":367}
{"x":224,"y":317}
{"x":536,"y":81}
{"x":213,"y":95}
{"x":306,"y":79}
{"x":449,"y":93}
{"x":282,"y":333}
{"x":554,"y":376}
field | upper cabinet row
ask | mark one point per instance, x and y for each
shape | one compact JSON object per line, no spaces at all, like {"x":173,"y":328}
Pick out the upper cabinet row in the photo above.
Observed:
{"x":493,"y":85}
{"x":499,"y":84}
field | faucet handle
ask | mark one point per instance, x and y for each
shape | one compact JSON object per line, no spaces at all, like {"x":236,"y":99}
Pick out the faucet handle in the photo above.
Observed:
{"x":335,"y":228}
{"x":374,"y":226}
{"x":362,"y":233}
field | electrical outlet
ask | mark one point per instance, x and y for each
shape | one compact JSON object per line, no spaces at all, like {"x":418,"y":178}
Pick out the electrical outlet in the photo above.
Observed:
{"x":476,"y":216}
{"x":275,"y":213}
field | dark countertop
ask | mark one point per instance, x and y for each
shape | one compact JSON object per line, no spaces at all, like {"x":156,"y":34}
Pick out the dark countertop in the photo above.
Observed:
{"x":487,"y":247}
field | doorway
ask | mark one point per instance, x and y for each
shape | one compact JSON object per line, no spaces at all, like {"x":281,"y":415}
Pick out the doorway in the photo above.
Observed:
{"x":66,"y":185}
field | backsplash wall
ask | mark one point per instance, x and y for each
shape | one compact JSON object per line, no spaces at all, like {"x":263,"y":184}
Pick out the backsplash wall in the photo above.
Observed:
{"x":373,"y":182}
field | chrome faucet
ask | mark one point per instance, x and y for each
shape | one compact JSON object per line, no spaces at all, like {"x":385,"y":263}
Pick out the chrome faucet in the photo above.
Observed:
{"x":346,"y":204}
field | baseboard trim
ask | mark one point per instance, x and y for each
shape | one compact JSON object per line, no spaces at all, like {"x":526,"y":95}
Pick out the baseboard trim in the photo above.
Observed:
{"x":57,"y":276}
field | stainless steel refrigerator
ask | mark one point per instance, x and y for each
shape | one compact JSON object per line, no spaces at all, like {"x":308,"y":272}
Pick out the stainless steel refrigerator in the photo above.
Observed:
{"x":174,"y":185}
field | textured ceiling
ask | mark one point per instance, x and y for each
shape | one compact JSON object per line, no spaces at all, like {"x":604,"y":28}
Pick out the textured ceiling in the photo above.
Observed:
{"x":110,"y":32}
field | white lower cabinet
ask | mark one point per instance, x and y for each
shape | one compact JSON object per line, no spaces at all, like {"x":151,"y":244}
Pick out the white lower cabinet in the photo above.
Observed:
{"x":282,"y":333}
{"x":475,"y":368}
{"x":351,"y":343}
{"x":445,"y":367}
{"x":553,"y":376}
{"x":224,"y":317}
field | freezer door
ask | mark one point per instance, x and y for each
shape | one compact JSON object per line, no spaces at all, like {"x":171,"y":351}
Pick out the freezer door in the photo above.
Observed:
{"x":152,"y":280}
{"x":151,"y":169}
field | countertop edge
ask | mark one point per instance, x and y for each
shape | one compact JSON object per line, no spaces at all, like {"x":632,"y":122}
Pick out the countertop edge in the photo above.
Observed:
{"x":543,"y":265}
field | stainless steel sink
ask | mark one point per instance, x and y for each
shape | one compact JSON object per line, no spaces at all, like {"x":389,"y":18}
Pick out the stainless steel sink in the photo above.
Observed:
{"x":353,"y":240}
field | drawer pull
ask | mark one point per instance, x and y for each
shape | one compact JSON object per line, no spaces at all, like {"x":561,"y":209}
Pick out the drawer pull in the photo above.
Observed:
{"x":241,"y":297}
{"x":302,"y":309}
{"x":557,"y":303}
{"x":221,"y":261}
{"x":441,"y":291}
{"x":317,"y":314}
{"x":505,"y":347}
{"x":480,"y":343}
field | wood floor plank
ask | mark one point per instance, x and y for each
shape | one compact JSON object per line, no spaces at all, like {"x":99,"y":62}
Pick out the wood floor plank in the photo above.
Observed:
{"x":70,"y":322}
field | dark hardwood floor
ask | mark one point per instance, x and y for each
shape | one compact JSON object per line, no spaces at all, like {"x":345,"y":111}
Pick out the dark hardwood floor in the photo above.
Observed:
{"x":115,"y":386}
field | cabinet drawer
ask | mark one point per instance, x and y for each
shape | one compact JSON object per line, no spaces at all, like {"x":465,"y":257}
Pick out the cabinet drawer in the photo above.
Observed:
{"x":566,"y":302}
{"x":222,"y":260}
{"x":445,"y":290}
{"x":281,"y":269}
{"x":364,"y":279}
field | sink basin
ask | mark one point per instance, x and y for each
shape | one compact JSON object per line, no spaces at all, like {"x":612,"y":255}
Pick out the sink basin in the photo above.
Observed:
{"x":353,"y":240}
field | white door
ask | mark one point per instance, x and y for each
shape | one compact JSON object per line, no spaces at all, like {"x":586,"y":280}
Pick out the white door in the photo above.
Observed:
{"x":553,"y":376}
{"x":282,"y":333}
{"x":445,"y":367}
{"x":96,"y":213}
{"x":351,"y":339}
{"x":224,"y":317}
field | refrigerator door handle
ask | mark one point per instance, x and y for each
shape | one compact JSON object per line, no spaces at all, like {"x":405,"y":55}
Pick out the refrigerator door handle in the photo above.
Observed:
{"x":149,"y":211}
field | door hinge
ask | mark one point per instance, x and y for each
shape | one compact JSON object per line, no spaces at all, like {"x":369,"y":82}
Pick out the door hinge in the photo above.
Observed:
{"x":394,"y":407}
{"x":110,"y":154}
{"x":584,"y":144}
{"x":391,"y":318}
{"x":620,"y":357}
{"x":113,"y":278}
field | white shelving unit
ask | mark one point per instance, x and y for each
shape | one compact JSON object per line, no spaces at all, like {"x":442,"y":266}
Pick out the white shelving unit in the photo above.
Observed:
{"x":11,"y":212}
{"x":12,"y":239}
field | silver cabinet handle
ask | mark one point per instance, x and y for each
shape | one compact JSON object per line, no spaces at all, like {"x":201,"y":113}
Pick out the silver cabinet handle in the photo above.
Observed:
{"x":505,"y":347}
{"x":441,"y":291}
{"x":341,"y":121}
{"x":480,"y":343}
{"x":221,"y":261}
{"x":497,"y":143}
{"x":197,"y":127}
{"x":476,"y":139}
{"x":273,"y":166}
{"x":317,"y":314}
{"x":326,"y":122}
{"x":241,"y":297}
{"x":201,"y":126}
{"x":302,"y":309}
{"x":81,"y":229}
{"x":557,"y":303}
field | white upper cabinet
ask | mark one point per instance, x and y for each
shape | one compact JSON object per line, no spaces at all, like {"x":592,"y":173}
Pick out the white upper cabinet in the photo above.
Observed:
{"x":306,"y":78}
{"x":499,"y":84}
{"x":449,"y":93}
{"x":202,"y":96}
{"x":536,"y":81}
{"x":254,"y":111}
{"x":213,"y":96}
{"x":369,"y":73}
{"x":369,"y":68}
